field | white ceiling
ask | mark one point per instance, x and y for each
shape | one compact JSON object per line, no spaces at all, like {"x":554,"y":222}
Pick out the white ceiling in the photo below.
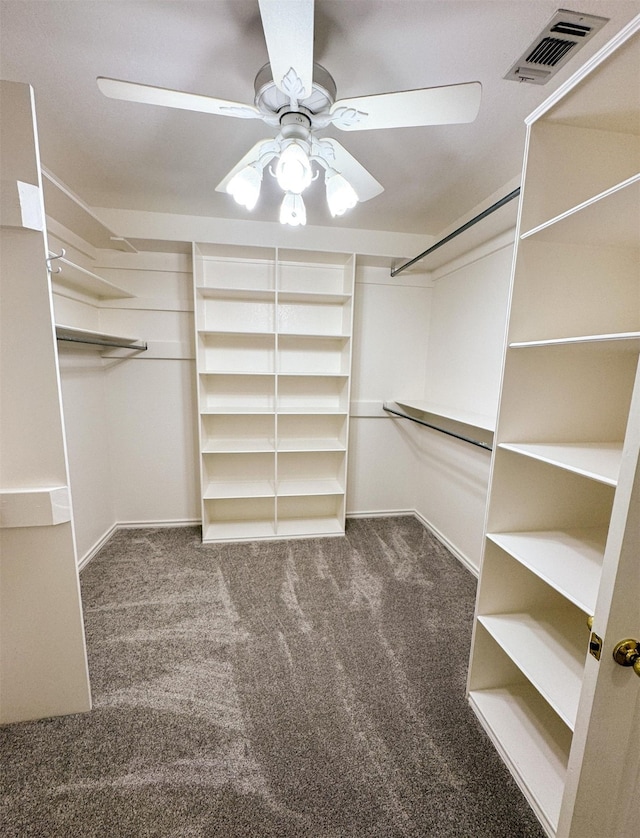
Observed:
{"x":133,"y":156}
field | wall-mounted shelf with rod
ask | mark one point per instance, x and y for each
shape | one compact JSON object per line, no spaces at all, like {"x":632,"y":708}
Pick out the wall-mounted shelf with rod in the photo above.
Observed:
{"x":98,"y":340}
{"x":474,"y":428}
{"x":66,"y":275}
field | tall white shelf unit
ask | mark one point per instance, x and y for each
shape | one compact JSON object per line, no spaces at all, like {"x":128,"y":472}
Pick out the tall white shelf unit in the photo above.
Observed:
{"x":273,"y":349}
{"x":557,"y":512}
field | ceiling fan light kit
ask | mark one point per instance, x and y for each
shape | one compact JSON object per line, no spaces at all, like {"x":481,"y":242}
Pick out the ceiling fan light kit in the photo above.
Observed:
{"x":299,"y":97}
{"x":297,"y":151}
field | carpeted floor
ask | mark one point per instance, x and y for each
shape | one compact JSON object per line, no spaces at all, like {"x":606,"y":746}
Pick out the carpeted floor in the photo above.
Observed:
{"x":268,"y":690}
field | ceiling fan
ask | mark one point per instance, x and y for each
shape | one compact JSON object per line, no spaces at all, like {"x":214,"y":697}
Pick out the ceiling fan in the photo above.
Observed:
{"x":298,"y":97}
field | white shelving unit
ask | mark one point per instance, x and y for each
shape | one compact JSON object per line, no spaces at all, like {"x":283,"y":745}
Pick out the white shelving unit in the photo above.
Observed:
{"x":274,"y":359}
{"x":565,"y":444}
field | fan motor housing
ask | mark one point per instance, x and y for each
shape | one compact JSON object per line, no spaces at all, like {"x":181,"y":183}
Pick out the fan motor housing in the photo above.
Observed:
{"x":269,"y":98}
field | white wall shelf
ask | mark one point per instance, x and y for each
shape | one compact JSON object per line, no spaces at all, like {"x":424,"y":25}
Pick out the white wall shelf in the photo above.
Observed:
{"x":548,"y":648}
{"x":71,"y":211}
{"x":35,"y":507}
{"x":102,"y":341}
{"x":597,"y":461}
{"x":569,"y":561}
{"x":565,"y":460}
{"x":274,"y":357}
{"x":67,"y":275}
{"x":467,"y":417}
{"x":475,"y":429}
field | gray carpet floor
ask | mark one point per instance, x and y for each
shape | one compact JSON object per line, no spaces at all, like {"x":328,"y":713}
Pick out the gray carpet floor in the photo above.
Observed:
{"x":268,"y":690}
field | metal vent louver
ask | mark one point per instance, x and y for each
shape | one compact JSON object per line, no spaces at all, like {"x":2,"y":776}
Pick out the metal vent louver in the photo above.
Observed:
{"x":559,"y":41}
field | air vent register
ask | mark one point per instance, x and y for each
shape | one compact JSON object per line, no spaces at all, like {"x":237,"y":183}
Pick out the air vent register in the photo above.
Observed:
{"x":559,"y":41}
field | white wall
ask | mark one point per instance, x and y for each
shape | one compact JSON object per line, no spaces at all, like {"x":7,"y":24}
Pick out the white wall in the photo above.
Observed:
{"x":466,"y":340}
{"x":152,"y":397}
{"x":153,"y":441}
{"x":130,"y":418}
{"x":389,"y":358}
{"x":467,"y":326}
{"x":85,"y":404}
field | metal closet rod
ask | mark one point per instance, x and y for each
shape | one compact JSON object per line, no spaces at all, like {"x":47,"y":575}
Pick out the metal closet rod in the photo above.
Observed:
{"x":468,"y":439}
{"x":470,"y":223}
{"x":114,"y":344}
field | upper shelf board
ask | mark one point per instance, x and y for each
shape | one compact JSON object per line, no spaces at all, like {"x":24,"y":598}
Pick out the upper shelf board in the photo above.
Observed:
{"x":68,"y":209}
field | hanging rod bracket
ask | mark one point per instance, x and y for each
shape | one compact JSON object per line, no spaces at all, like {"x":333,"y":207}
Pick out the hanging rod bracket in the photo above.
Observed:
{"x":53,"y":256}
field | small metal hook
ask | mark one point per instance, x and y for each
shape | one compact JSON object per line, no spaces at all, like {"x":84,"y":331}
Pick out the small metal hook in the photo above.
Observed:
{"x":50,"y":260}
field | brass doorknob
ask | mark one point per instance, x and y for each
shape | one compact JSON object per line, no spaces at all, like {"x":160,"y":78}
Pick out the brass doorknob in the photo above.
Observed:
{"x":627,"y":653}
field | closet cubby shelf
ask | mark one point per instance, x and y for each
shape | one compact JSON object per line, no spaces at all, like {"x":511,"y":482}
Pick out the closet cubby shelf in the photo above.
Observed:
{"x":66,"y":274}
{"x":238,"y":530}
{"x":313,"y":374}
{"x":311,"y":444}
{"x":549,"y":649}
{"x":239,"y":489}
{"x":314,"y":335}
{"x":597,"y":461}
{"x":570,"y":561}
{"x":237,"y":332}
{"x":312,"y":297}
{"x":308,"y":488}
{"x":234,"y":373}
{"x":304,"y":527}
{"x":237,"y":410}
{"x":533,"y":741}
{"x":312,"y":411}
{"x":243,"y":294}
{"x":238,"y":446}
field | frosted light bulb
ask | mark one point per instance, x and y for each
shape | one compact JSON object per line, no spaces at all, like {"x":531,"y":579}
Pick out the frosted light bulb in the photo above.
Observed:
{"x":245,"y":185}
{"x":341,"y":196}
{"x":293,"y":170}
{"x":293,"y":211}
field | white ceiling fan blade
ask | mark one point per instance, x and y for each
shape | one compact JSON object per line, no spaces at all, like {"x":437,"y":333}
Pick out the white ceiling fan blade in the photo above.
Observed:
{"x":453,"y":103}
{"x":268,"y":145}
{"x":288,"y":31}
{"x":363,"y":182}
{"x":131,"y":91}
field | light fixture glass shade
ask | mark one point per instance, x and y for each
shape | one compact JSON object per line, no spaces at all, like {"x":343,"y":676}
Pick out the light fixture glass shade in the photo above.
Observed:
{"x":341,"y":196}
{"x":245,"y":185}
{"x":293,"y":211}
{"x":293,"y":170}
